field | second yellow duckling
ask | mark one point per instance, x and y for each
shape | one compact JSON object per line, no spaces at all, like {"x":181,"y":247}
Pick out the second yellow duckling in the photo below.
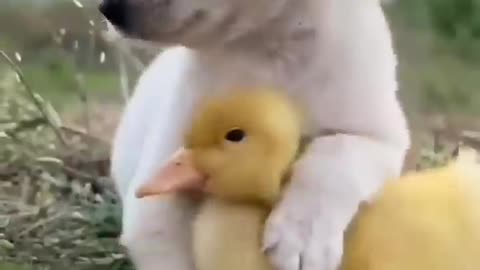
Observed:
{"x":424,"y":220}
{"x":240,"y":147}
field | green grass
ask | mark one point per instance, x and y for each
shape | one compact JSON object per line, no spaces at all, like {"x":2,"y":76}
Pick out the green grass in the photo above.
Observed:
{"x":62,"y":87}
{"x":443,"y":85}
{"x":11,"y":266}
{"x":434,"y":79}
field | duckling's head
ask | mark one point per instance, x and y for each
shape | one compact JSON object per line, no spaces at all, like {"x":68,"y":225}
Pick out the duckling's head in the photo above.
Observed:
{"x":238,"y":147}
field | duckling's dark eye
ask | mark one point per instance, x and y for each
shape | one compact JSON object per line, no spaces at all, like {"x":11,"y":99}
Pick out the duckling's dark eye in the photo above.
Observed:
{"x":235,"y":135}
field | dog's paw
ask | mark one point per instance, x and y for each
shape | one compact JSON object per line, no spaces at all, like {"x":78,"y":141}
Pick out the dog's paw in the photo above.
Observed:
{"x":303,"y":241}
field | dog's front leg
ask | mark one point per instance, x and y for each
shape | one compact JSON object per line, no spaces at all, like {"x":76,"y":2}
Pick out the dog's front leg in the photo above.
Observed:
{"x":329,"y":182}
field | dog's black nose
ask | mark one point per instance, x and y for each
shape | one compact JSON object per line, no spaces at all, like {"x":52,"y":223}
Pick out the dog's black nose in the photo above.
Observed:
{"x":115,"y":11}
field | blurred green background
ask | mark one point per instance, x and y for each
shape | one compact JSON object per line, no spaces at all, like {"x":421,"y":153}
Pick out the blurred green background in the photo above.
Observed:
{"x":51,"y":202}
{"x":56,"y":42}
{"x":437,"y":42}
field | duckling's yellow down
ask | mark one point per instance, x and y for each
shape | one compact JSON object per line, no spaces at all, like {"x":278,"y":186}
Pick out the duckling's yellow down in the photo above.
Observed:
{"x":245,"y":178}
{"x":228,"y":235}
{"x":240,"y":146}
{"x":427,"y":220}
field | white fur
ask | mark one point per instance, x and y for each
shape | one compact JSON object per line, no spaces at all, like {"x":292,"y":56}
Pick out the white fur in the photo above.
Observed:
{"x":344,"y":76}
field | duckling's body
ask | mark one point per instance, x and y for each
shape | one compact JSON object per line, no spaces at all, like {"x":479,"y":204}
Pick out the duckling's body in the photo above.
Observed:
{"x":424,"y":220}
{"x":227,"y":235}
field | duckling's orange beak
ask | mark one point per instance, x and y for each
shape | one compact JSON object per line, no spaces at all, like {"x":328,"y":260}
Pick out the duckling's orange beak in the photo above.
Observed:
{"x":179,"y":174}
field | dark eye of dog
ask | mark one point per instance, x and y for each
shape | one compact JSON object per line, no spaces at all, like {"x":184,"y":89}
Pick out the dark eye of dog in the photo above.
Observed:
{"x":235,"y":135}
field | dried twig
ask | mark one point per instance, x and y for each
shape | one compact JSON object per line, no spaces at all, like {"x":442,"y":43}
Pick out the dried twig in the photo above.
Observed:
{"x":124,"y":82}
{"x":41,"y":223}
{"x":472,"y":139}
{"x":33,"y":96}
{"x":25,"y":125}
{"x":25,"y":145}
{"x":83,"y":134}
{"x":122,"y":48}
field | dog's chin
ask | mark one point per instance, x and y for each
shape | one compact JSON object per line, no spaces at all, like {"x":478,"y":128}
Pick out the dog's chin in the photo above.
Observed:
{"x":133,"y":39}
{"x":153,"y":41}
{"x":143,"y":44}
{"x":162,"y":41}
{"x":114,"y":34}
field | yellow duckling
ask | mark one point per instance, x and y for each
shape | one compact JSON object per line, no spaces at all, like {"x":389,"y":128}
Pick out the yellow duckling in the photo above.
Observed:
{"x":421,"y":221}
{"x":238,"y":151}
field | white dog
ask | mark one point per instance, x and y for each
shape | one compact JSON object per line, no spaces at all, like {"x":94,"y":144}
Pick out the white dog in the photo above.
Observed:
{"x":334,"y":57}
